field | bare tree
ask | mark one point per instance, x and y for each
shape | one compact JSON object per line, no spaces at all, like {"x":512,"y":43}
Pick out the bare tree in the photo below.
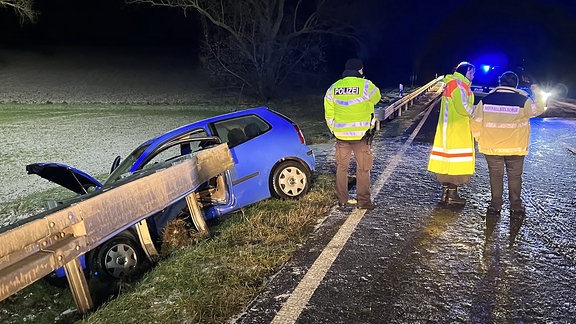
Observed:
{"x":260,"y":44}
{"x":24,"y":8}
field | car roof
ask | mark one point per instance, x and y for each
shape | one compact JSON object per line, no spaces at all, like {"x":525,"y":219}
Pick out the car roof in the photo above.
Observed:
{"x":200,"y":123}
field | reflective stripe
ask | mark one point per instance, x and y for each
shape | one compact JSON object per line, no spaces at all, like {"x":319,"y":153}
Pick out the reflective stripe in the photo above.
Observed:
{"x":452,"y":155}
{"x":349,"y":102}
{"x":445,"y":123}
{"x":452,"y":159}
{"x":506,"y":125}
{"x":330,"y":123}
{"x":505,"y":151}
{"x":329,"y":93}
{"x":464,"y":91}
{"x":455,"y":151}
{"x":350,"y":134}
{"x":353,"y":124}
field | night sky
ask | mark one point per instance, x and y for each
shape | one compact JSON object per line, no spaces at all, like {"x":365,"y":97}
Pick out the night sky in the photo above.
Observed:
{"x":400,"y":38}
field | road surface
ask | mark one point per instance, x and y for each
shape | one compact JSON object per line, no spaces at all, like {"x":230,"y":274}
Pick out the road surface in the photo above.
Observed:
{"x":414,"y":261}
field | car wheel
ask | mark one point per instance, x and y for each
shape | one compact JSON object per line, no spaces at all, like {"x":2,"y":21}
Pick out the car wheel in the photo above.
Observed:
{"x":118,"y":258}
{"x":290,"y":180}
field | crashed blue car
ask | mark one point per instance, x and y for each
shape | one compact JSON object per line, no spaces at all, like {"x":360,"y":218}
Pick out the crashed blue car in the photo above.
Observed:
{"x":271,"y":160}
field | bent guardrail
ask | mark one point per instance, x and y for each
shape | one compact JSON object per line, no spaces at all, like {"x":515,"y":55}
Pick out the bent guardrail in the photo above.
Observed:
{"x":382,"y":112}
{"x":57,"y":238}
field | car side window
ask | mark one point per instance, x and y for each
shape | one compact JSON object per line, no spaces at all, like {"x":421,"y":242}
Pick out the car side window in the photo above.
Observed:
{"x":236,"y":131}
{"x":189,"y":143}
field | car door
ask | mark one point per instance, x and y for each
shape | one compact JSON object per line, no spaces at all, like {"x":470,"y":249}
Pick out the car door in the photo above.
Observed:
{"x":245,"y":136}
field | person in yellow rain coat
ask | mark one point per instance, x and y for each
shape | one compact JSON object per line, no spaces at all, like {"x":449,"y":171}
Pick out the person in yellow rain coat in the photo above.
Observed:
{"x":452,"y":158}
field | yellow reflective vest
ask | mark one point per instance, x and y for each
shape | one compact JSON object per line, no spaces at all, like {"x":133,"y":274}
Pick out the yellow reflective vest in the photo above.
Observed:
{"x":501,"y":121}
{"x":453,"y":149}
{"x":349,"y":107}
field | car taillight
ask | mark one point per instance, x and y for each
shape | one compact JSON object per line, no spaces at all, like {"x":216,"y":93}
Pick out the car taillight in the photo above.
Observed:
{"x":300,"y":135}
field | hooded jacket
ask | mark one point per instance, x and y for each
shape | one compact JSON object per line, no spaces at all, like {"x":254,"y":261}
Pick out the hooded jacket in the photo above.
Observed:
{"x":453,"y":149}
{"x":501,"y":121}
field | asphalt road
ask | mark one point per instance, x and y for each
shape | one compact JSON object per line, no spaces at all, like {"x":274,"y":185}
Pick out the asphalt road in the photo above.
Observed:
{"x":414,"y":261}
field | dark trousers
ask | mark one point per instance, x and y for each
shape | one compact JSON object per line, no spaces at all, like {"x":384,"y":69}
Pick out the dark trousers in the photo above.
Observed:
{"x":364,"y":161}
{"x":513,"y":164}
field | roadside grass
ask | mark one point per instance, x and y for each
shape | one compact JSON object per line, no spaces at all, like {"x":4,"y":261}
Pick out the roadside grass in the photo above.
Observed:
{"x":215,"y":279}
{"x":209,"y":281}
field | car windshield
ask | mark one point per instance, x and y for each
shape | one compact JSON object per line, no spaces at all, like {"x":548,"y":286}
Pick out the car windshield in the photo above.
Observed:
{"x":169,"y":149}
{"x":125,"y":166}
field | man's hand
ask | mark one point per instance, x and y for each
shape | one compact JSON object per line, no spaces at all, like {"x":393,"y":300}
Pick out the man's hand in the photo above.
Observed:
{"x":369,"y":136}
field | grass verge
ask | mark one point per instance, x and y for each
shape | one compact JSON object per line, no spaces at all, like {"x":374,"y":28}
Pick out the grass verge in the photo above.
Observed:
{"x":209,"y":281}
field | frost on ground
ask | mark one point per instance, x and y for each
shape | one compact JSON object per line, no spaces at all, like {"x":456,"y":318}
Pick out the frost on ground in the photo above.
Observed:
{"x":90,"y":140}
{"x":87,"y":142}
{"x":86,"y":75}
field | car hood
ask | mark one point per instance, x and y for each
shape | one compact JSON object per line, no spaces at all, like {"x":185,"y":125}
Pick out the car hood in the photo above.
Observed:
{"x":64,"y":175}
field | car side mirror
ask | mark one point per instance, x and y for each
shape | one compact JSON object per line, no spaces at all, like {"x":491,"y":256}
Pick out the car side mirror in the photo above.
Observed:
{"x":115,"y":164}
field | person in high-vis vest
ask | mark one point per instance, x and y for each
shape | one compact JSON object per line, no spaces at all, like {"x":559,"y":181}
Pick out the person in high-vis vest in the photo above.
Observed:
{"x":501,"y":126}
{"x":349,"y":113}
{"x":452,"y":158}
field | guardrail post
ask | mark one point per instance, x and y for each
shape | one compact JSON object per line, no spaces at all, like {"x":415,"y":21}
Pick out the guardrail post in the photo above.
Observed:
{"x":78,"y":285}
{"x":196,"y":213}
{"x":146,"y":240}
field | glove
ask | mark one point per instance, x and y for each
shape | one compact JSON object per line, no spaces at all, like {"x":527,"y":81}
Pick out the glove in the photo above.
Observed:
{"x":369,"y":135}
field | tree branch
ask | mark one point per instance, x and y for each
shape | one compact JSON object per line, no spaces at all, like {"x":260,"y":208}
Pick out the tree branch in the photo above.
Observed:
{"x":24,"y":9}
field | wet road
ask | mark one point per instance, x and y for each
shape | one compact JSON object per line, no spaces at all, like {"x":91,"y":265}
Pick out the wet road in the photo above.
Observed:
{"x":413,"y":261}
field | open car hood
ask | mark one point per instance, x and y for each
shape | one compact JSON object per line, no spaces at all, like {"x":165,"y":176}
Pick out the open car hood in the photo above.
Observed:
{"x":66,"y":176}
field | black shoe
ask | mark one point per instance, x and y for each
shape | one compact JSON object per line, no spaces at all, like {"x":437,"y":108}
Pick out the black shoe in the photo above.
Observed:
{"x":518,"y":213}
{"x":492,"y":219}
{"x":454,"y":199}
{"x":444,"y":197}
{"x":368,"y":206}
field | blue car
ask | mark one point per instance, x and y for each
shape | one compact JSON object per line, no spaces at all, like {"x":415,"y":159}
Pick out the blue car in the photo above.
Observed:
{"x":271,"y":160}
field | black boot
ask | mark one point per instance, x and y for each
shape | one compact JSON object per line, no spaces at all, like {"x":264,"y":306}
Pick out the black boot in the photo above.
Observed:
{"x":444,"y":198}
{"x":452,"y":197}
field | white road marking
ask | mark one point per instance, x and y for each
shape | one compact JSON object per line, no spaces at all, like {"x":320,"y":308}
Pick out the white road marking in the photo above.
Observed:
{"x":293,"y":307}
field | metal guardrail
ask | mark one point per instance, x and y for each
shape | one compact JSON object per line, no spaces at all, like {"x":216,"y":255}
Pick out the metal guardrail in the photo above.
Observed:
{"x":55,"y":239}
{"x":382,"y":113}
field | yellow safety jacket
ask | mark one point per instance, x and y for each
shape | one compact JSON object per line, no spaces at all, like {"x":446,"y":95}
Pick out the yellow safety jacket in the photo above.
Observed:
{"x":349,"y":107}
{"x":453,"y":149}
{"x":501,"y":121}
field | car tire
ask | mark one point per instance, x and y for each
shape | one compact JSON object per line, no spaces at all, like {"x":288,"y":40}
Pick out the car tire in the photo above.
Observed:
{"x":290,"y":180}
{"x":119,"y":258}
